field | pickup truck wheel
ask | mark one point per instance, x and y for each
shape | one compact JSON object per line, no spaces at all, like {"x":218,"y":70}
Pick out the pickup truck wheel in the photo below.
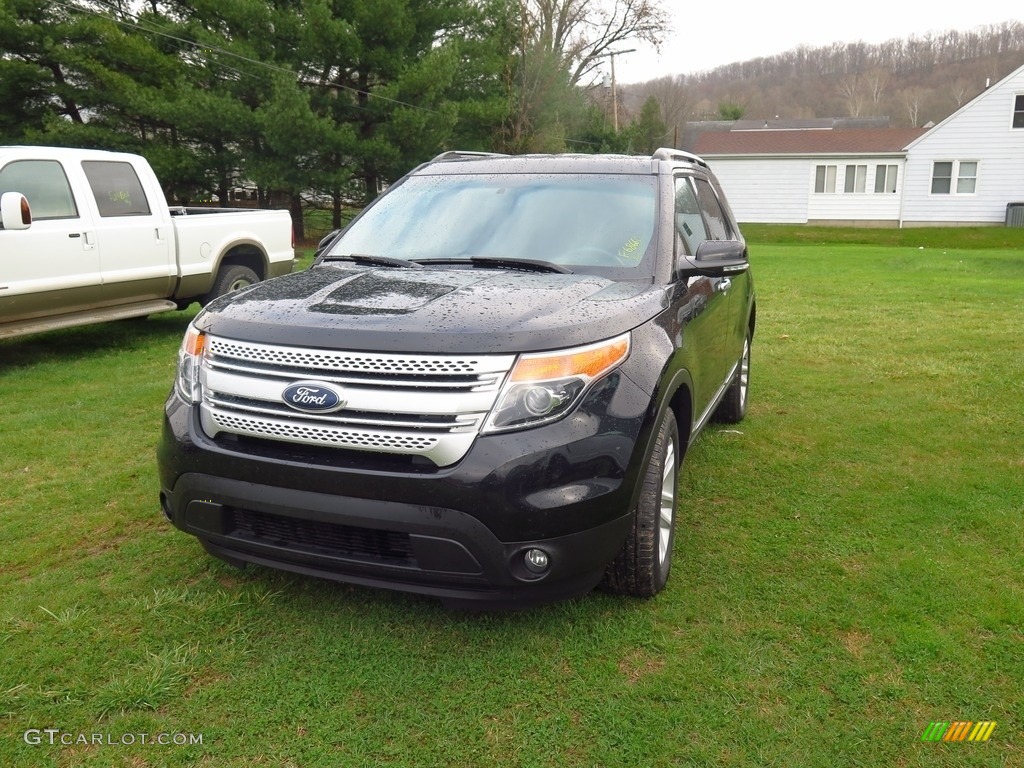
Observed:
{"x":733,"y":407}
{"x":231,"y":278}
{"x":641,"y":569}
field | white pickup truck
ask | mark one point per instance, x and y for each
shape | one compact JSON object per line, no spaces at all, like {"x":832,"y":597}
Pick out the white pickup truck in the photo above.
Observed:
{"x":87,"y":236}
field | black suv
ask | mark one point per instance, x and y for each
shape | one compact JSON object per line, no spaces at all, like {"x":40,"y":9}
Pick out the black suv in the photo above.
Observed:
{"x":483,"y":388}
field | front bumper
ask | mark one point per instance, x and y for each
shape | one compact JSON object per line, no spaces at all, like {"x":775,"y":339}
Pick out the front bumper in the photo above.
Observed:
{"x":459,"y":533}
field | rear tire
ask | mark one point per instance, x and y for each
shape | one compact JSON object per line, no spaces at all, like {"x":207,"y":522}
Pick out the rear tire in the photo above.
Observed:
{"x":733,"y":407}
{"x":231,"y":277}
{"x":641,"y":569}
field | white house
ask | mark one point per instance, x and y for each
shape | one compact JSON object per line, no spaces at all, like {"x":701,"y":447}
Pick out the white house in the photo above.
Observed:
{"x":820,"y":175}
{"x":965,"y":170}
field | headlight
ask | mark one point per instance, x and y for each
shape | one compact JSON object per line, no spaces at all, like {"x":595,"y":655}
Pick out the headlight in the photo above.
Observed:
{"x":545,"y":386}
{"x":190,"y":359}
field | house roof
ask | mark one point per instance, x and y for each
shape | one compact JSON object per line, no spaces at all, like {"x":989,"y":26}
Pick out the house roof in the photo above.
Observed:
{"x":806,"y":142}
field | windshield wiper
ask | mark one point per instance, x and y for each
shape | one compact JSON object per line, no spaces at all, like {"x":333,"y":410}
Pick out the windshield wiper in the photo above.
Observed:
{"x":379,"y":261}
{"x":503,"y":262}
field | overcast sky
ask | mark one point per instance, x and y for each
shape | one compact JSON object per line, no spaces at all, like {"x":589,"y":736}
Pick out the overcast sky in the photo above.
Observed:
{"x":708,"y":34}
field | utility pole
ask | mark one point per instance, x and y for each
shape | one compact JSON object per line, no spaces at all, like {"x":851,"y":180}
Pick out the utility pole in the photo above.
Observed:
{"x":615,"y":93}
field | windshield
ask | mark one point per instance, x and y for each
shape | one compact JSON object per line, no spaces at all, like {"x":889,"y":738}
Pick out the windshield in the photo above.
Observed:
{"x":599,"y":224}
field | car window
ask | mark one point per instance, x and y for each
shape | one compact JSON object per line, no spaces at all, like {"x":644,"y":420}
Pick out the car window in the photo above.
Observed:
{"x":44,"y":184}
{"x":717,"y":222}
{"x":592,"y":222}
{"x":116,"y":188}
{"x":690,"y":226}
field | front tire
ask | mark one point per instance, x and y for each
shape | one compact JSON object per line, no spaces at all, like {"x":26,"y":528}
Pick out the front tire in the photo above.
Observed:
{"x":641,"y":569}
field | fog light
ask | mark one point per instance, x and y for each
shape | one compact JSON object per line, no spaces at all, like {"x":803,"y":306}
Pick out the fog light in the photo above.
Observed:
{"x":536,"y":560}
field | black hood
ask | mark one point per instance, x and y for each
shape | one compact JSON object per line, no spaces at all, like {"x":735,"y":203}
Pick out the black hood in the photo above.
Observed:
{"x":432,"y":310}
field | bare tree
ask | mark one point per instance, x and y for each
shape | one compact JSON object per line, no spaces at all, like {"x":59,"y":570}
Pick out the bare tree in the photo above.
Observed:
{"x":675,"y":99}
{"x":559,"y":43}
{"x":853,"y":94}
{"x":912,"y":98}
{"x":581,"y":33}
{"x":876,"y":81}
{"x":960,"y":89}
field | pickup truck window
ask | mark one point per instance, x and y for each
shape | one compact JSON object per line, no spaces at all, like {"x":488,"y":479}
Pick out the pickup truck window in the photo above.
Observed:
{"x":117,"y":188}
{"x":45,"y":185}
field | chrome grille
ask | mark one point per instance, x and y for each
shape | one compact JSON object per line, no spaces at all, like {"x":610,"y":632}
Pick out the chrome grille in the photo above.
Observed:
{"x":423,"y":405}
{"x":351,"y":362}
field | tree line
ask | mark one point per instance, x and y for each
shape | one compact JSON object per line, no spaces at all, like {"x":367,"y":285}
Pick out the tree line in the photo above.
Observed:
{"x":907,"y":82}
{"x":314,"y":101}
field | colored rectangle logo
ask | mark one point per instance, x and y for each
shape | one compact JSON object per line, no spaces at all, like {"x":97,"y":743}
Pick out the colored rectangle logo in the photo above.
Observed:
{"x":959,"y":730}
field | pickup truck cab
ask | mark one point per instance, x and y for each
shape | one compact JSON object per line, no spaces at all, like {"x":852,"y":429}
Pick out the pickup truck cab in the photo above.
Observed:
{"x":86,"y":236}
{"x":483,"y":388}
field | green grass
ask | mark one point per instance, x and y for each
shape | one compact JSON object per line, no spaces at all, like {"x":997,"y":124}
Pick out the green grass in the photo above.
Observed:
{"x":913,"y":237}
{"x":848,"y":566}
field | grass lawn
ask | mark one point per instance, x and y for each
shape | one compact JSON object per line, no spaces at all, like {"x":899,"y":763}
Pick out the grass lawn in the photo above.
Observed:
{"x":848,"y":566}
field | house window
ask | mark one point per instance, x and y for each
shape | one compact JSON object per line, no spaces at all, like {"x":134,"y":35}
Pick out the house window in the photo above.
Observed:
{"x":942,"y":175}
{"x":885,"y":179}
{"x":825,"y":179}
{"x":965,"y":172}
{"x":856,"y":177}
{"x":1018,"y":111}
{"x":966,"y":178}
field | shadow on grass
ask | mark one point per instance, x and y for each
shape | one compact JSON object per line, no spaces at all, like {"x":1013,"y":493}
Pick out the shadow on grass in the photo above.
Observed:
{"x":309,"y":595}
{"x":88,"y":340}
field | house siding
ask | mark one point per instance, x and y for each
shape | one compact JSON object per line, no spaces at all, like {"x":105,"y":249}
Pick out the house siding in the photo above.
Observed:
{"x":774,"y":190}
{"x":763,"y":190}
{"x":980,"y":132}
{"x":866,"y":206}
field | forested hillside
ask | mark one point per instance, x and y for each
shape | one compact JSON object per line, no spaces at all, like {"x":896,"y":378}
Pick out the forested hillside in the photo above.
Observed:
{"x":323,"y":102}
{"x":911,"y":81}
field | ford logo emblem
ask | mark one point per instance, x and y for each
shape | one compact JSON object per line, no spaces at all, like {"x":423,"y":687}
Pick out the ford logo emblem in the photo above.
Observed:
{"x":313,"y":397}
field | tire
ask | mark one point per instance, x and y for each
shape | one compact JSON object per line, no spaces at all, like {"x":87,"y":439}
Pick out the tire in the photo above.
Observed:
{"x":231,"y":277}
{"x":733,"y":407}
{"x":641,"y":569}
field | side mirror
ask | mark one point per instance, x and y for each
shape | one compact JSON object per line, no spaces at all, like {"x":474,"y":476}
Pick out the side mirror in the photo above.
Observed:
{"x":15,"y":212}
{"x":718,"y":258}
{"x":326,"y":242}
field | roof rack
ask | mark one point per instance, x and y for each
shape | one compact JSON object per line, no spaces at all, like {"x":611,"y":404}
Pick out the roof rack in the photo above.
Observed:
{"x":667,"y":153}
{"x":458,"y":154}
